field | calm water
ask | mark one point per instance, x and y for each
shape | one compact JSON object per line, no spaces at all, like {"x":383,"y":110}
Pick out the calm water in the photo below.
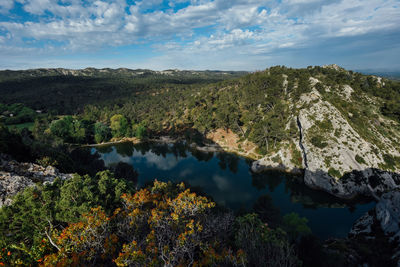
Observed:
{"x":228,"y":180}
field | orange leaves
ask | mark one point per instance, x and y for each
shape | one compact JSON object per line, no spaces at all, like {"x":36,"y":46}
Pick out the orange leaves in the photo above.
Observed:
{"x":160,"y":225}
{"x":130,"y":253}
{"x":84,"y":240}
{"x":173,"y":216}
{"x":189,"y":204}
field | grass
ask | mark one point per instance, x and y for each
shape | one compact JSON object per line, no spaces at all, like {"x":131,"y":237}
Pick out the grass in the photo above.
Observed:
{"x":28,"y":125}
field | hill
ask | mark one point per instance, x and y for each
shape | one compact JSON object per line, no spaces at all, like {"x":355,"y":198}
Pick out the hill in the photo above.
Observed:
{"x":66,"y":91}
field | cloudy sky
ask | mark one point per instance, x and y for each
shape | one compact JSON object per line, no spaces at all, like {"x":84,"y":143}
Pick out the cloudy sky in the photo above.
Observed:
{"x":199,"y":34}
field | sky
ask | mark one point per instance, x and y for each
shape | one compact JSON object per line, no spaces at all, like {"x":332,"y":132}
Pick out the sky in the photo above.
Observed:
{"x":199,"y":34}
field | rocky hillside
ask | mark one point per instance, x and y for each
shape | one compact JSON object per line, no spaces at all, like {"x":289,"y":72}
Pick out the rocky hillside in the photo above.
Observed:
{"x":341,"y":133}
{"x":15,"y":176}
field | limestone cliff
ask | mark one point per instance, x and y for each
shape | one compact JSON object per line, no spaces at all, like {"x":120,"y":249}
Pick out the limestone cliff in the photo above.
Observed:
{"x":342,"y":153}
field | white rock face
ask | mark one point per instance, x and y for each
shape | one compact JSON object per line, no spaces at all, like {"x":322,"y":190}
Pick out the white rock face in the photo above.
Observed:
{"x":340,"y":151}
{"x":332,"y":147}
{"x":16,"y":176}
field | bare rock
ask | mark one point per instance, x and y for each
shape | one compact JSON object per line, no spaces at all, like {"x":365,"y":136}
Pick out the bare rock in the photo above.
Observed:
{"x":16,"y":176}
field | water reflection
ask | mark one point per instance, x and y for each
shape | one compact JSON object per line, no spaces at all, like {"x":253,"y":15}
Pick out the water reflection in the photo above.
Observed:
{"x":228,"y":180}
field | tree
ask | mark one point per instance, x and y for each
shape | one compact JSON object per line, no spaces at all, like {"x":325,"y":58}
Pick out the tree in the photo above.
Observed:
{"x":102,"y":132}
{"x":78,"y":131}
{"x":139,"y":130}
{"x":62,"y":128}
{"x":39,"y":128}
{"x":263,"y":246}
{"x":119,"y":125}
{"x":295,"y":226}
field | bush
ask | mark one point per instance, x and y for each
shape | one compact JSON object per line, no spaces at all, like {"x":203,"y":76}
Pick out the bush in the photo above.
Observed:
{"x":360,"y":160}
{"x":334,"y":173}
{"x":318,"y":141}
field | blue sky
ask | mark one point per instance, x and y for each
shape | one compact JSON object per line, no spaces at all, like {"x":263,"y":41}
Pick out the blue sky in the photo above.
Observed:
{"x":199,"y":34}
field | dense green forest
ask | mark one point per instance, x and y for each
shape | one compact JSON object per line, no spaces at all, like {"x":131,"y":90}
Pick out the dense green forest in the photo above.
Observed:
{"x":100,"y":218}
{"x":57,"y":92}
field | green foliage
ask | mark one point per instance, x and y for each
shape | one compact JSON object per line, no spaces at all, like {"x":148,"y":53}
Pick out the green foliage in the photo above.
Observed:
{"x":119,"y":125}
{"x":325,"y":125}
{"x":295,"y":226}
{"x":320,"y":88}
{"x":391,"y":162}
{"x":334,"y":173}
{"x":102,"y":190}
{"x":360,"y":159}
{"x":17,"y":114}
{"x":262,"y":245}
{"x":62,"y":128}
{"x":38,"y":209}
{"x":139,"y":130}
{"x":11,"y":143}
{"x":102,"y":132}
{"x":296,"y":156}
{"x":68,"y":94}
{"x":318,"y":141}
{"x":71,"y":130}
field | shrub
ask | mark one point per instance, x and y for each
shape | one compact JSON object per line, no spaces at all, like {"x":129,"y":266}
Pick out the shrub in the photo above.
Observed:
{"x":334,"y":173}
{"x":360,"y":159}
{"x":318,"y":141}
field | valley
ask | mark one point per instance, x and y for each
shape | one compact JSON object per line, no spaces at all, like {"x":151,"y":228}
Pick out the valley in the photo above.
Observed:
{"x":324,"y":142}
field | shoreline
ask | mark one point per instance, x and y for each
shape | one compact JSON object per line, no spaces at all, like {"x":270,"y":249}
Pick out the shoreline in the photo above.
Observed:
{"x":170,"y":140}
{"x":335,"y":189}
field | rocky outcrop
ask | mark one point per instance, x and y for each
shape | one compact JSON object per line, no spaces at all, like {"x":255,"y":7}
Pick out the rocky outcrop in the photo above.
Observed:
{"x":339,"y":154}
{"x":16,"y":176}
{"x":368,"y":182}
{"x":382,"y":222}
{"x":281,"y":160}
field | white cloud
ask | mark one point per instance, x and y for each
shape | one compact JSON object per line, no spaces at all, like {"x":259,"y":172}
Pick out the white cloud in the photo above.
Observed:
{"x":6,"y":6}
{"x":238,"y":27}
